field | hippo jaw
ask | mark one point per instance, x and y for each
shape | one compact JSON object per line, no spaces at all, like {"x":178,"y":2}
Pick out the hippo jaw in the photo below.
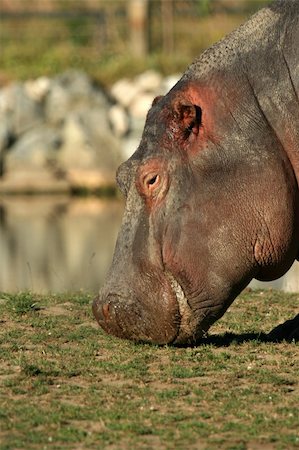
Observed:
{"x":188,"y":331}
{"x":198,"y":314}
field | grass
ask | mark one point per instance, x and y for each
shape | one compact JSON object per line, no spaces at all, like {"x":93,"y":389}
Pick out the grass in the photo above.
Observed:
{"x":64,"y":384}
{"x":60,"y":47}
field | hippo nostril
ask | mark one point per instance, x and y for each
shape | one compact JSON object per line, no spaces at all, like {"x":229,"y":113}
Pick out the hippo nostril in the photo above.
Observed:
{"x":101,"y":310}
{"x":105,"y":310}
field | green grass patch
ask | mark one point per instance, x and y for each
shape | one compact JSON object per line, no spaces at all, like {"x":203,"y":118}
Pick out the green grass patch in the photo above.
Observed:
{"x":75,"y":43}
{"x":64,"y":384}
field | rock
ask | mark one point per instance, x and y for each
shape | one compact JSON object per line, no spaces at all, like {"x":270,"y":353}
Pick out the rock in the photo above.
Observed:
{"x":149,"y":81}
{"x":19,"y":109}
{"x":32,"y":182}
{"x":38,"y":89}
{"x":77,"y":148}
{"x":5,"y":135}
{"x":89,"y":151}
{"x":91,"y":180}
{"x":35,"y":150}
{"x":130,"y":144}
{"x":67,"y":132}
{"x":169,"y":82}
{"x":30,"y":164}
{"x":119,"y":120}
{"x":72,"y":91}
{"x":140,"y":106}
{"x":125,"y":91}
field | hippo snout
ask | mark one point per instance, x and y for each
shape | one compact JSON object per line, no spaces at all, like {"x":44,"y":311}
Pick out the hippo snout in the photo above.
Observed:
{"x":103,"y":308}
{"x":139,"y":318}
{"x":105,"y":311}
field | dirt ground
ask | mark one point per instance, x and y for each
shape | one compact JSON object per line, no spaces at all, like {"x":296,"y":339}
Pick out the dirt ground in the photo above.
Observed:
{"x":64,"y":384}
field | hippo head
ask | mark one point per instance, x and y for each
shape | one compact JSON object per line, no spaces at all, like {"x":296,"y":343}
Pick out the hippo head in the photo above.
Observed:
{"x":210,"y":204}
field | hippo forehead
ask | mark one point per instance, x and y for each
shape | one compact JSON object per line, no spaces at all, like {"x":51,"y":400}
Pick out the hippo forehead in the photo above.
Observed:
{"x":163,"y":133}
{"x":159,"y":128}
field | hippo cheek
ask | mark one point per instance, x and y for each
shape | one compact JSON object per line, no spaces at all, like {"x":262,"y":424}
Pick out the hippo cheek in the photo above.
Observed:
{"x":154,"y":317}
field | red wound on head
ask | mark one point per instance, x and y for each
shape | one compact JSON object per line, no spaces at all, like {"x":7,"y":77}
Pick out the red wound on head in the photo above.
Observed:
{"x":189,"y":116}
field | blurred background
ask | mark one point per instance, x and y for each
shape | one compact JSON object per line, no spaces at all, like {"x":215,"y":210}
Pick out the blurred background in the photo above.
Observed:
{"x":110,"y":39}
{"x":76,"y":80}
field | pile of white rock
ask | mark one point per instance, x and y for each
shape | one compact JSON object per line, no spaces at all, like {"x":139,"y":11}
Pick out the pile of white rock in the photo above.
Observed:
{"x":67,"y":133}
{"x":135,"y":97}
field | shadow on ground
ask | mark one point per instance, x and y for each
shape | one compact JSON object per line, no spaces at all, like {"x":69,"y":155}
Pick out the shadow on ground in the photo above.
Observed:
{"x":287,"y":331}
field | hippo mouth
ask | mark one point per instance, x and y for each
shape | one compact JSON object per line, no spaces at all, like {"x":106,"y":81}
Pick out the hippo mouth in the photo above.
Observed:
{"x":188,"y":331}
{"x":150,"y":312}
{"x":130,"y":319}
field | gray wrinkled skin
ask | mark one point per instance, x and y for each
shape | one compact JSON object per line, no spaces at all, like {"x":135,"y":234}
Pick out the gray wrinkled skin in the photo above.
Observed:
{"x":212,"y":190}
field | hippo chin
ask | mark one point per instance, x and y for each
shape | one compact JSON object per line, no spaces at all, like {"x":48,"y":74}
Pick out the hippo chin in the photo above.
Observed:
{"x":212,"y":190}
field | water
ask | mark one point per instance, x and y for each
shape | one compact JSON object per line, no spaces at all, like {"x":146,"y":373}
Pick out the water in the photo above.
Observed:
{"x":58,"y":244}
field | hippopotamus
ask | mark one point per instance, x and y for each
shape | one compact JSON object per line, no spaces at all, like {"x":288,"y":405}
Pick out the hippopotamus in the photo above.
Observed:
{"x":212,"y":198}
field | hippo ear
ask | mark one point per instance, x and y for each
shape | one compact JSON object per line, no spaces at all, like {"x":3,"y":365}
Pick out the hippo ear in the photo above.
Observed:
{"x":156,"y":99}
{"x":189,"y":116}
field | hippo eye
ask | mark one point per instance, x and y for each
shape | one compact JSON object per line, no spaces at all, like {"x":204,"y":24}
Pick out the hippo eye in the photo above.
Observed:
{"x":151,"y":182}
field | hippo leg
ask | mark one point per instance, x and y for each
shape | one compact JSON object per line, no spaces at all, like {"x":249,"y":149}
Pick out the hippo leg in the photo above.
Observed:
{"x":288,"y":331}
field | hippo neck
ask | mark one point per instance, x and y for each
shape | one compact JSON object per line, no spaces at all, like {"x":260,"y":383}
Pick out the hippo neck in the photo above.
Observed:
{"x":274,"y":81}
{"x":227,"y":51}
